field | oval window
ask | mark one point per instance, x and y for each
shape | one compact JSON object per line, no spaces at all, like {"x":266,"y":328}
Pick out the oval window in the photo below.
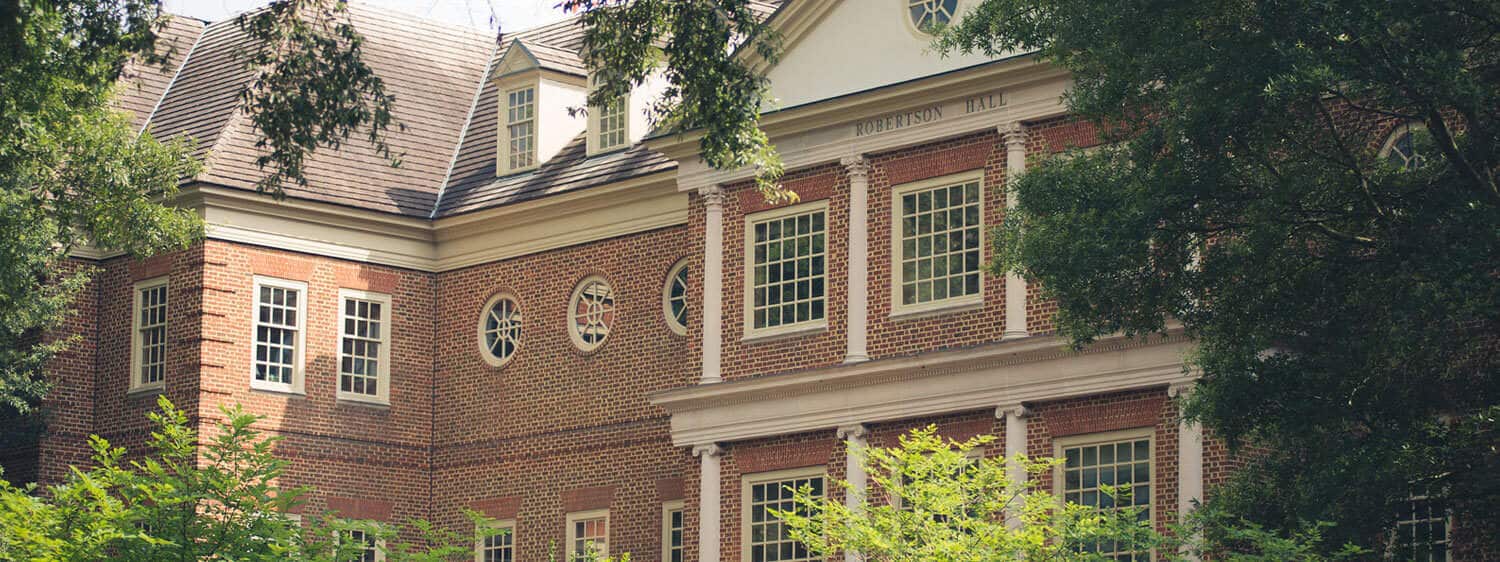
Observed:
{"x":591,"y":313}
{"x":500,"y":329}
{"x":674,"y":298}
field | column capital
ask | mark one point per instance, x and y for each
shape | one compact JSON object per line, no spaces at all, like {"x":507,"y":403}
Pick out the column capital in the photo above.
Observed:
{"x":1014,"y":134}
{"x":708,"y":449}
{"x":1006,"y":410}
{"x":1181,"y":389}
{"x":853,"y":432}
{"x":855,"y":165}
{"x":712,"y":195}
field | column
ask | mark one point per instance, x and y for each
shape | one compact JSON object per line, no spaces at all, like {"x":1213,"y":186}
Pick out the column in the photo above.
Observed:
{"x":1015,"y":445}
{"x":859,"y":256}
{"x":709,"y":534}
{"x":1189,"y":460}
{"x":713,"y":282}
{"x":1015,"y":285}
{"x":854,"y":473}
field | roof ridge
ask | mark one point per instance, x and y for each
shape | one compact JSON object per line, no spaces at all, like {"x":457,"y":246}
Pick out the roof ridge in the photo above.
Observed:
{"x":180,"y":66}
{"x":463,"y":134}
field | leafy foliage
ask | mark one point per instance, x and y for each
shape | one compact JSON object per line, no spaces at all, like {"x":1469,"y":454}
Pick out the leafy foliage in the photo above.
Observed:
{"x":696,"y":48}
{"x":217,"y":501}
{"x":1345,"y":306}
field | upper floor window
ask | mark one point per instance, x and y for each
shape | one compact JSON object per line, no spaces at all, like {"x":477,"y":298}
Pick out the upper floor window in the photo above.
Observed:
{"x":671,"y":529}
{"x":930,"y":15}
{"x":937,"y":244}
{"x":591,"y":313}
{"x":674,"y":297}
{"x":1422,"y":529}
{"x":611,"y":128}
{"x":1120,"y":459}
{"x":520,"y":127}
{"x":149,"y":349}
{"x":500,"y":329}
{"x":767,"y":536}
{"x":364,"y":346}
{"x":500,"y":546}
{"x":279,"y":313}
{"x":588,"y":536}
{"x":787,"y":268}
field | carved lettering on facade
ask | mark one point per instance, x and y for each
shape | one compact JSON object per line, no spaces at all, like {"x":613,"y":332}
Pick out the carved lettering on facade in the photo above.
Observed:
{"x":930,"y":114}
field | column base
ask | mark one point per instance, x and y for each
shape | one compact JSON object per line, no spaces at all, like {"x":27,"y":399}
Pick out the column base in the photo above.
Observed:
{"x":1014,"y":335}
{"x":848,"y":359}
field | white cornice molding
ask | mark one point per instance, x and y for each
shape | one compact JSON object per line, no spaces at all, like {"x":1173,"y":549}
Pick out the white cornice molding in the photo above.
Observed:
{"x":1034,"y":369}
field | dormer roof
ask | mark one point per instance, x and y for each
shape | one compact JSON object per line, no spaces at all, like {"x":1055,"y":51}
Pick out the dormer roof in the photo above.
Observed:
{"x":520,"y":56}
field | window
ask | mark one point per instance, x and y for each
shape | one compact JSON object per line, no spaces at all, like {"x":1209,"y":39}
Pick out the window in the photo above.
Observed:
{"x":930,"y":15}
{"x":588,"y":535}
{"x":498,"y":547}
{"x":937,"y":244}
{"x":612,"y":118}
{"x":520,"y":127}
{"x":364,"y":346}
{"x":591,"y":313}
{"x":671,"y":532}
{"x":674,"y":297}
{"x":500,"y":329}
{"x":279,"y":313}
{"x":149,"y":345}
{"x":1121,"y":459}
{"x":786,"y":268}
{"x":371,"y":546}
{"x":1422,"y":530}
{"x":767,"y":538}
{"x":1402,"y":148}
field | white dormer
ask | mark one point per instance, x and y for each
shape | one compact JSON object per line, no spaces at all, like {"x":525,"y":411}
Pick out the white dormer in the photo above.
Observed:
{"x":535,"y":86}
{"x":625,"y":123}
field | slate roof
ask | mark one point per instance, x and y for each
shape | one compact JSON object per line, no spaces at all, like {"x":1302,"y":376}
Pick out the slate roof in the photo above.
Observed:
{"x":143,"y":84}
{"x":448,"y":106}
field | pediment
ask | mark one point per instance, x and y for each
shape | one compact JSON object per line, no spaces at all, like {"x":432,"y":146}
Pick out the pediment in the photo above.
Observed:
{"x":517,"y":58}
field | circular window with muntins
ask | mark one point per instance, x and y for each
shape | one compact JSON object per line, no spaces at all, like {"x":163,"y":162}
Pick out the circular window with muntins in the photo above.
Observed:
{"x":500,"y":329}
{"x":674,"y":298}
{"x":591,"y":313}
{"x":929,"y":16}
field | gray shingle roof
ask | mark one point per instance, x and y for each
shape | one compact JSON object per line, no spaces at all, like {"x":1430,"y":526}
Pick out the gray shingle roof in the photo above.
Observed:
{"x":141,"y":85}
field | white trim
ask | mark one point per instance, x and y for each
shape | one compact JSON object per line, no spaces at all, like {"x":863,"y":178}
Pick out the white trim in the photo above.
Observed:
{"x":747,"y":481}
{"x":610,"y":318}
{"x":1061,"y":444}
{"x":509,"y":525}
{"x":593,"y":146}
{"x":751,"y":333}
{"x":510,"y":86}
{"x":576,"y":516}
{"x":299,"y":373}
{"x":135,"y":334}
{"x":666,"y":297}
{"x":484,"y":348}
{"x":379,"y":542}
{"x":911,"y":26}
{"x":383,"y":355}
{"x":948,"y":304}
{"x":666,"y":529}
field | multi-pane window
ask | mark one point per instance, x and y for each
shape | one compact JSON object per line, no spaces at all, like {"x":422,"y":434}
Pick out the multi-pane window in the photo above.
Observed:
{"x":500,"y":329}
{"x":612,"y":124}
{"x":592,"y":313}
{"x":930,"y":15}
{"x":498,"y":547}
{"x":278,"y":334}
{"x":768,"y":537}
{"x":938,"y":238}
{"x":150,"y":364}
{"x":364,"y":345}
{"x":1402,"y":149}
{"x":588,"y":537}
{"x":520,"y":126}
{"x":365,"y":546}
{"x":1421,"y":531}
{"x":787,"y":267}
{"x":671,"y":539}
{"x":675,"y":298}
{"x":1124,"y":464}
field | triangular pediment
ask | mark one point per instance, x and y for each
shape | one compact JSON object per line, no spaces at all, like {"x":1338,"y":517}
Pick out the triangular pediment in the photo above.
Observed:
{"x":517,"y":58}
{"x":838,"y":47}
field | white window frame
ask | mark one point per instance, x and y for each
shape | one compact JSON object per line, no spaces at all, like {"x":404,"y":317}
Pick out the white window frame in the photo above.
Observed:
{"x":572,"y":536}
{"x":509,"y":526}
{"x":613,"y":315}
{"x":748,"y":305}
{"x":1061,"y":444}
{"x":596,"y":130}
{"x":484,"y":316}
{"x":749,"y":480}
{"x":666,"y":297}
{"x":338,"y":536}
{"x":948,"y":304}
{"x":299,"y":371}
{"x":136,"y":349}
{"x":666,"y":529}
{"x":1395,"y":546}
{"x":503,"y":163}
{"x":383,"y":355}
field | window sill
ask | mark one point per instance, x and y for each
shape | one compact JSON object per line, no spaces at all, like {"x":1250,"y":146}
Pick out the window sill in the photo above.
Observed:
{"x":362,"y":401}
{"x":758,"y":337}
{"x":920,"y":312}
{"x":274,"y":389}
{"x":152,"y":390}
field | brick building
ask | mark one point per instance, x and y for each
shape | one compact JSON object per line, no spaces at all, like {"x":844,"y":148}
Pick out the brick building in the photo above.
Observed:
{"x":585,"y":333}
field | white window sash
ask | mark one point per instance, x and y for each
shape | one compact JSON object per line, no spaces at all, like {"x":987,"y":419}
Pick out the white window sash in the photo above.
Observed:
{"x":751,"y":332}
{"x":137,"y":343}
{"x":898,"y":275}
{"x":508,"y":527}
{"x":572,"y":532}
{"x":383,"y":353}
{"x":299,"y":351}
{"x":747,"y":487}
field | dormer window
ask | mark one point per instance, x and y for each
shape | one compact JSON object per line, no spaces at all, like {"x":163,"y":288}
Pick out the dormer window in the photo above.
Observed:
{"x":520,"y":126}
{"x":610,"y":133}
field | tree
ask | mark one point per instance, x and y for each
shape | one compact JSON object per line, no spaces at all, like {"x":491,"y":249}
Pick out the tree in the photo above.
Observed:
{"x":74,"y":171}
{"x":183,"y":501}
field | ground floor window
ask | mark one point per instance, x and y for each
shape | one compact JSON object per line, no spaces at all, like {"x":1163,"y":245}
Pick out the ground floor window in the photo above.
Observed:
{"x":767,"y":538}
{"x":588,"y":536}
{"x":368,"y":549}
{"x":671,"y":539}
{"x":499,"y":546}
{"x":1422,"y":530}
{"x":1120,"y":459}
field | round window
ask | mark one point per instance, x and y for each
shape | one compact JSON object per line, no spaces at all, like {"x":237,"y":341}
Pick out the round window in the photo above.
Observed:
{"x":591,"y":313}
{"x":1402,"y":148}
{"x":674,"y":298}
{"x":500,"y":329}
{"x":930,"y":15}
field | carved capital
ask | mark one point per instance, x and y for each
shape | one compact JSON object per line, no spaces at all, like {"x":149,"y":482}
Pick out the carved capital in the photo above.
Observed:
{"x":1181,"y":389}
{"x":1014,"y":134}
{"x":856,"y":166}
{"x":1017,"y":410}
{"x":713,"y":196}
{"x":710,"y":449}
{"x":854,"y":432}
